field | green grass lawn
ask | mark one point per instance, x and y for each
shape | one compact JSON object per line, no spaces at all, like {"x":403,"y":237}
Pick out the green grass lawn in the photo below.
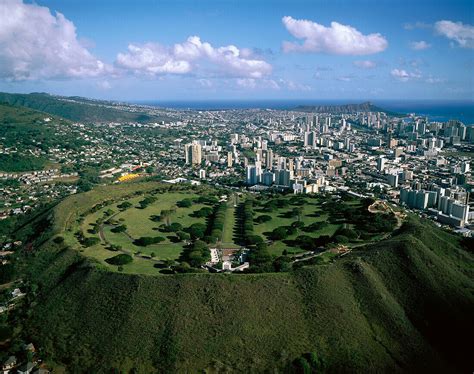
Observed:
{"x":310,"y":207}
{"x":139,"y":224}
{"x":229,"y":226}
{"x":162,"y":251}
{"x":138,"y":220}
{"x":138,"y":266}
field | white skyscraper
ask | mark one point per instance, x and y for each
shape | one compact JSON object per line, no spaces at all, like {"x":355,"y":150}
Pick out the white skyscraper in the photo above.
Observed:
{"x":193,"y":153}
{"x":380,"y":163}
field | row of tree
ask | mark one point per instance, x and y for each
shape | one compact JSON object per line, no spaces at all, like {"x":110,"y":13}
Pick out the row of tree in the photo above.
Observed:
{"x":247,"y":221}
{"x":196,"y":254}
{"x":216,"y":222}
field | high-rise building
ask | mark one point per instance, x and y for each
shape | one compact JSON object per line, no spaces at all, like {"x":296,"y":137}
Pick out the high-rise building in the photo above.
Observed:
{"x":281,"y":163}
{"x":254,"y":173}
{"x":392,"y":180}
{"x":193,"y":153}
{"x":202,"y":174}
{"x":282,"y":177}
{"x":392,"y":143}
{"x":230,"y":160}
{"x":268,"y":178}
{"x":380,"y":164}
{"x":460,"y":211}
{"x":269,"y":159}
{"x":310,"y":139}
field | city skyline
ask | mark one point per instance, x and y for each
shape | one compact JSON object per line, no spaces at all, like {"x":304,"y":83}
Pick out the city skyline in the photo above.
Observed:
{"x":238,"y":50}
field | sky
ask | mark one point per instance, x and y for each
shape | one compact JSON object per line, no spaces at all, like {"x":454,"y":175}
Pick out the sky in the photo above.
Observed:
{"x":245,"y":50}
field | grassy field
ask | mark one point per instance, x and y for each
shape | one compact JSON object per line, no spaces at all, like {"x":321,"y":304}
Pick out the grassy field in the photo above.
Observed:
{"x":138,"y":223}
{"x":312,"y":211}
{"x":228,"y":234}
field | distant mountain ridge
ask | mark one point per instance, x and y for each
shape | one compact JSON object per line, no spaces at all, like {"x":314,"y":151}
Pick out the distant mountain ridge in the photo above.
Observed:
{"x":79,"y":109}
{"x":340,"y":109}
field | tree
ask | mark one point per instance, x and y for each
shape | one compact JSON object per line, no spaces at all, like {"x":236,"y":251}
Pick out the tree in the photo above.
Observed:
{"x":260,"y":256}
{"x":306,"y":242}
{"x":118,"y":229}
{"x":89,"y":242}
{"x":297,"y":212}
{"x":172,"y":227}
{"x":124,"y":205}
{"x":186,"y":203}
{"x":297,"y":224}
{"x":282,"y":264}
{"x":121,"y":259}
{"x":196,"y":230}
{"x":279,"y":233}
{"x":263,"y":218}
{"x":196,"y":254}
{"x":254,"y":239}
{"x":150,"y":169}
{"x":203,"y":212}
{"x":58,"y":240}
{"x":148,"y":240}
{"x":183,"y":235}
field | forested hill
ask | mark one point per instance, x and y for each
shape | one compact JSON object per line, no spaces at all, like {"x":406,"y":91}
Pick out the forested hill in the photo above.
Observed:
{"x":31,"y":134}
{"x":341,"y":109}
{"x":404,"y":304}
{"x":79,"y":109}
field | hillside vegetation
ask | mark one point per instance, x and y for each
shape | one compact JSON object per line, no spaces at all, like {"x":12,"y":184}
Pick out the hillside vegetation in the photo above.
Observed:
{"x":76,"y":108}
{"x":27,"y":137}
{"x":403,"y":304}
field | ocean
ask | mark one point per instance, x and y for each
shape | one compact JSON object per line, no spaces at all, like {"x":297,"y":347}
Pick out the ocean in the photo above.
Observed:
{"x":435,"y":110}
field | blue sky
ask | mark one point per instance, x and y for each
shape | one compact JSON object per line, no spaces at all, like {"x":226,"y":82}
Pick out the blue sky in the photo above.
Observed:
{"x":197,"y":50}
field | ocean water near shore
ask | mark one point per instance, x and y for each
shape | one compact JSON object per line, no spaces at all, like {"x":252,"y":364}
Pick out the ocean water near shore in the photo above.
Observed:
{"x":435,"y":110}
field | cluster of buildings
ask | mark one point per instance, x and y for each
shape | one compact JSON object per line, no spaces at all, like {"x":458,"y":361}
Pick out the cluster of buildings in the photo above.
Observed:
{"x":366,"y":153}
{"x":448,"y":205}
{"x":411,"y":161}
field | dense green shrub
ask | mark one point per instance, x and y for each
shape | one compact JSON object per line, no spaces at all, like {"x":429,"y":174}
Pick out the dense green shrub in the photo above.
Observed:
{"x":121,"y":259}
{"x":117,"y":229}
{"x":148,"y":240}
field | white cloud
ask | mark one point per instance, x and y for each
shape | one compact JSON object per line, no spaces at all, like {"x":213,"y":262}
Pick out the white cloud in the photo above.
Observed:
{"x":293,"y":86}
{"x":416,"y":25}
{"x":152,"y":59}
{"x":36,"y":44}
{"x":462,"y":34}
{"x":337,"y":39}
{"x":278,"y":84}
{"x":205,"y":83}
{"x":345,"y":78}
{"x":404,"y":76}
{"x":434,"y":80}
{"x":247,"y":83}
{"x":419,"y":46}
{"x":365,"y":64}
{"x":187,"y":57}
